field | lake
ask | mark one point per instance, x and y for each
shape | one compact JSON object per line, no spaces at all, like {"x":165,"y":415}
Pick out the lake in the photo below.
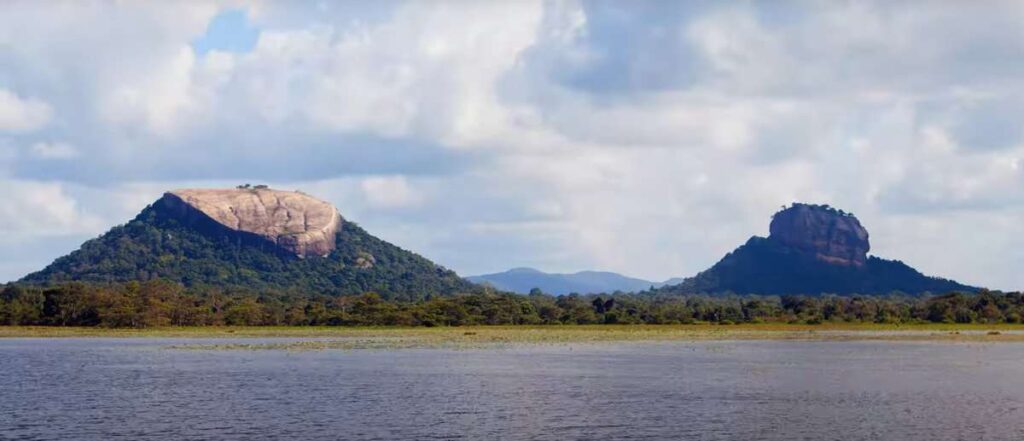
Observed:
{"x":141,"y":389}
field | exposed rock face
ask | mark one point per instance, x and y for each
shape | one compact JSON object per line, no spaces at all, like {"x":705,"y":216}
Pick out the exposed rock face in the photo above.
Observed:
{"x":296,"y":222}
{"x":829,"y":235}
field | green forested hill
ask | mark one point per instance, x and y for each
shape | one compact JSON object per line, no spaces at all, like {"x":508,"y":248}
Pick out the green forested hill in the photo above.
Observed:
{"x":157,"y":245}
{"x":763,"y":266}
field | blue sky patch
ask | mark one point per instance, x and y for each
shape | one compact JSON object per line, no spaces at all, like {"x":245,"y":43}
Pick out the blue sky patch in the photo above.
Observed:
{"x":229,"y":31}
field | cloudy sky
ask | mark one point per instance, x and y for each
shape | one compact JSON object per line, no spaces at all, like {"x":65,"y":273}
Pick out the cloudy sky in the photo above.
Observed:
{"x":643,"y":138}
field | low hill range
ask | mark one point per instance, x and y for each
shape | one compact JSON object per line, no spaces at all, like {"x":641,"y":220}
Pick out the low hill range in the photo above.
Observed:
{"x":523,"y":280}
{"x":260,"y":239}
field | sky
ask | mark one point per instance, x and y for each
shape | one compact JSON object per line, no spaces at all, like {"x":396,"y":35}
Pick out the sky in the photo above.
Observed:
{"x":647,"y":138}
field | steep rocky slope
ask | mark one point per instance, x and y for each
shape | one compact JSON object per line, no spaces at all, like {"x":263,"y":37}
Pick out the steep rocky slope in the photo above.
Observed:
{"x":830,"y":236}
{"x":296,"y":222}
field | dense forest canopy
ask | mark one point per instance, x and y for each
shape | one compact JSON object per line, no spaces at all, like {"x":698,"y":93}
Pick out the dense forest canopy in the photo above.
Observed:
{"x":762,"y":266}
{"x":158,"y":245}
{"x":163,"y":303}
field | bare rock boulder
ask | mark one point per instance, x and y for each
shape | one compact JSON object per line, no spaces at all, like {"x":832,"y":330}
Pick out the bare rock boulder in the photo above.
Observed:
{"x":828,"y":234}
{"x":294,"y":221}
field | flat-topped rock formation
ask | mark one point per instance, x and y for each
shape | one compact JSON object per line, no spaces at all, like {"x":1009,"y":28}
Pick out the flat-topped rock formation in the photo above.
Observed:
{"x":812,"y":249}
{"x":294,"y":221}
{"x":826,"y":233}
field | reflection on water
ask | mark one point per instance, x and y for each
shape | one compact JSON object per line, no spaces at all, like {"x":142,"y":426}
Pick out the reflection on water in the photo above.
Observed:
{"x":138,"y":389}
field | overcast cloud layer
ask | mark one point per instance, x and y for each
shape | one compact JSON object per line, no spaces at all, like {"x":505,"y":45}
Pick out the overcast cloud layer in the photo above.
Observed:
{"x":643,"y":138}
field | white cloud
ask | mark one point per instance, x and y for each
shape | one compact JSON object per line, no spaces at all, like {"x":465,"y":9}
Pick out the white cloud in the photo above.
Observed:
{"x":160,"y":101}
{"x":390,"y":192}
{"x":106,"y":67}
{"x":54,"y":150}
{"x":429,"y":72}
{"x":42,"y":209}
{"x":22,"y":114}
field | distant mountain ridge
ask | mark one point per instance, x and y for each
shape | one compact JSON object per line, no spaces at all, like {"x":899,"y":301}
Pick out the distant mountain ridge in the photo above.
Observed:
{"x":811,"y":249}
{"x":522,"y":280}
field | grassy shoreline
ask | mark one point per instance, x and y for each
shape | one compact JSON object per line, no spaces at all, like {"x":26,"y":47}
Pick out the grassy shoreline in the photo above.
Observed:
{"x":356,"y":337}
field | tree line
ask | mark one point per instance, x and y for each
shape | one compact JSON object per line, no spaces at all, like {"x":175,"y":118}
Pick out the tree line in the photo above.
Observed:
{"x":162,"y":303}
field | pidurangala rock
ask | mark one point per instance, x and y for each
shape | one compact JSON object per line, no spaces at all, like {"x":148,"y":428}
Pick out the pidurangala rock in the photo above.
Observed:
{"x":828,"y":234}
{"x":253,"y":239}
{"x":296,"y":222}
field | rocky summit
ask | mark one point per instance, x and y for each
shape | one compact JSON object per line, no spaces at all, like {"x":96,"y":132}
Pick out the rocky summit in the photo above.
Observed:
{"x":811,"y":249}
{"x":829,"y":235}
{"x":253,"y":239}
{"x":294,"y":221}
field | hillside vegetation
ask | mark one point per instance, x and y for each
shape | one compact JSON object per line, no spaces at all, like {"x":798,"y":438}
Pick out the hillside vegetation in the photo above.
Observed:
{"x":157,"y":245}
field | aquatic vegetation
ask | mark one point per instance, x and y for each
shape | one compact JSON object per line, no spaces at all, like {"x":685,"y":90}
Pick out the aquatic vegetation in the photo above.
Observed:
{"x":344,"y":338}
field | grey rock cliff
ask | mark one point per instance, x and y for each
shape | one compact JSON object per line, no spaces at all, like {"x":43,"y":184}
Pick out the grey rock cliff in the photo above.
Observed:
{"x":828,"y":234}
{"x":294,"y":221}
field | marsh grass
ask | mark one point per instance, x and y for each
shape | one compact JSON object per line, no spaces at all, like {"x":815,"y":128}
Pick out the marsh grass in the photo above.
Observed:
{"x":322,"y":338}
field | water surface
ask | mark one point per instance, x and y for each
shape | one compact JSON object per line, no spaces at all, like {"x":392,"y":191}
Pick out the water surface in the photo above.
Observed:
{"x":140,"y":389}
